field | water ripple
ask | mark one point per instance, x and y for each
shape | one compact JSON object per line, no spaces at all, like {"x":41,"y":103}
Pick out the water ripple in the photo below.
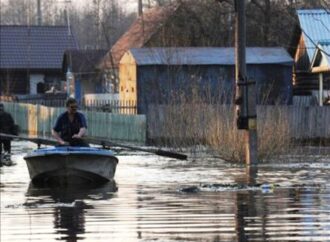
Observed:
{"x":163,"y":200}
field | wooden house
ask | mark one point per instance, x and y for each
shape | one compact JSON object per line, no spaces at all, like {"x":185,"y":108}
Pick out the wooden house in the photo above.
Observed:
{"x":31,"y":58}
{"x":139,"y":35}
{"x":179,"y":24}
{"x":311,"y":54}
{"x":171,"y":75}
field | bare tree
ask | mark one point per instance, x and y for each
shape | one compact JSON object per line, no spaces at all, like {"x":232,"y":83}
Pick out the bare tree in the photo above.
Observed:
{"x":198,"y":22}
{"x":52,"y":13}
{"x":18,"y":12}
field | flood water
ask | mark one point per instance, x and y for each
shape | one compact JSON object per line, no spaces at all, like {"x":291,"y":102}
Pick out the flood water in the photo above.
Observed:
{"x":161,"y":199}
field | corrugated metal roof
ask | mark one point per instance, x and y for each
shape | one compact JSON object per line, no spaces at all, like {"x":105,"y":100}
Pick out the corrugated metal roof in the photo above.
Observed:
{"x":209,"y":56}
{"x":34,"y":47}
{"x":315,"y":26}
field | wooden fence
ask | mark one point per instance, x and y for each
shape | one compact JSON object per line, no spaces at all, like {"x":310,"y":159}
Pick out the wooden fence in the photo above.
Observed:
{"x":196,"y":121}
{"x":188,"y":121}
{"x":39,"y":120}
{"x":307,"y":122}
{"x":111,"y":106}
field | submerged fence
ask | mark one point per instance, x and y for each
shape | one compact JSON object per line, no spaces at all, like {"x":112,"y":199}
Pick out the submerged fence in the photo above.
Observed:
{"x":39,"y":120}
{"x":307,"y":122}
{"x":197,"y":122}
{"x":194,"y":122}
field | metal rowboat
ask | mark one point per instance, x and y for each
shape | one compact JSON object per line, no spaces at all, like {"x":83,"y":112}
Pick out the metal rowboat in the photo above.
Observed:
{"x":71,"y":165}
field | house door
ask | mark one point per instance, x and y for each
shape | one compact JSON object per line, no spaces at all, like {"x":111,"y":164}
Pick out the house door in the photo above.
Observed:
{"x":34,"y":80}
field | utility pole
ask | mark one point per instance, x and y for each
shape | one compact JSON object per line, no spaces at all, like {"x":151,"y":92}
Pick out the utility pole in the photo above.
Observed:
{"x":245,"y":96}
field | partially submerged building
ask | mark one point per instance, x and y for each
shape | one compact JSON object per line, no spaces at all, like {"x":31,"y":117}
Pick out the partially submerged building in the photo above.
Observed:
{"x":170,"y":75}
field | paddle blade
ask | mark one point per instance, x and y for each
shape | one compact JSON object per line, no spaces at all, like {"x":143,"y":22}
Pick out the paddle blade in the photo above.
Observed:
{"x":171,"y":154}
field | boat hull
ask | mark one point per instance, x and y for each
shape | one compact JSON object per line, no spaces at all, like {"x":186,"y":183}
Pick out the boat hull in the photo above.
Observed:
{"x":71,"y":165}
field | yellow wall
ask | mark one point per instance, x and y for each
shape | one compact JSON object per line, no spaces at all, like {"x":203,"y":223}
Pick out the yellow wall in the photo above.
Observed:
{"x":127,"y":78}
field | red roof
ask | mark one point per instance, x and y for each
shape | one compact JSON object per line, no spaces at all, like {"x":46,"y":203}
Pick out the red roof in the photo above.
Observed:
{"x":140,"y":32}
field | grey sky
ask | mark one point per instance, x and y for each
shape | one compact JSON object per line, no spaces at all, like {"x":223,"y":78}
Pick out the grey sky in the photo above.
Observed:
{"x":129,"y":5}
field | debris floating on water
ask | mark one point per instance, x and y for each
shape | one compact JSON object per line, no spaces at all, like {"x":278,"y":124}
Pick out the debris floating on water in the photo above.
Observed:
{"x":265,"y":188}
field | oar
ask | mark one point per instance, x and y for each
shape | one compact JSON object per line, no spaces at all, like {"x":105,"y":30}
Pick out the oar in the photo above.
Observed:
{"x":38,"y":141}
{"x":45,"y":141}
{"x":159,"y":152}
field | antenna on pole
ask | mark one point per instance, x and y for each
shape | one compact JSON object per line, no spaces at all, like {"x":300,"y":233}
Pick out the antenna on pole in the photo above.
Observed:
{"x":67,"y":2}
{"x":68,"y":75}
{"x":39,"y":19}
{"x":28,"y":47}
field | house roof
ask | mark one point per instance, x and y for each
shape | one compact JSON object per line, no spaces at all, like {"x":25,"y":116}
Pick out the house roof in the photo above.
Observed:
{"x":83,"y":61}
{"x":208,"y":56}
{"x":315,"y":27}
{"x":140,"y":32}
{"x":34,"y":47}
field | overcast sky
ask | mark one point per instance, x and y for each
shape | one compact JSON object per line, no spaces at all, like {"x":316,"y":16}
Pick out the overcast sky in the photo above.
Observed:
{"x":129,"y":5}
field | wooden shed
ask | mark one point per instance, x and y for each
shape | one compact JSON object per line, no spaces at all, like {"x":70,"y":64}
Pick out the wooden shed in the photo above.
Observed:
{"x":172,"y":75}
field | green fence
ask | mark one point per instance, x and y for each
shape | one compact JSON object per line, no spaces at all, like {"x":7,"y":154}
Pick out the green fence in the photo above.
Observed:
{"x":39,"y":120}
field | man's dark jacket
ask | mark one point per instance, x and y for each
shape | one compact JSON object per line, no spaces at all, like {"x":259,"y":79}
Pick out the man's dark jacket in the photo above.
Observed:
{"x":7,"y":124}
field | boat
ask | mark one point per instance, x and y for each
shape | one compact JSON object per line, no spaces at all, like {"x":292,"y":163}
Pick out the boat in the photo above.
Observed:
{"x":63,"y":165}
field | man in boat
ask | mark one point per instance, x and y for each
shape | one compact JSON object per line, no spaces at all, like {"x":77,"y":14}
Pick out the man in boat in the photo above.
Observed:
{"x":70,"y":126}
{"x":7,"y":126}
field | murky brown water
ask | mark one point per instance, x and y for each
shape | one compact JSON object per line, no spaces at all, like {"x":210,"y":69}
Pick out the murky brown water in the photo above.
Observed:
{"x":159,"y":199}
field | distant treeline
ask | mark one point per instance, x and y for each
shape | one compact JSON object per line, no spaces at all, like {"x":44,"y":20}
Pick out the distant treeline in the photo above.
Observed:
{"x":99,"y":23}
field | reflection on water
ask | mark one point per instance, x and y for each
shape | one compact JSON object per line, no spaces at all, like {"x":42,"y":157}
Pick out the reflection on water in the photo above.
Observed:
{"x":68,"y":204}
{"x":159,"y":199}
